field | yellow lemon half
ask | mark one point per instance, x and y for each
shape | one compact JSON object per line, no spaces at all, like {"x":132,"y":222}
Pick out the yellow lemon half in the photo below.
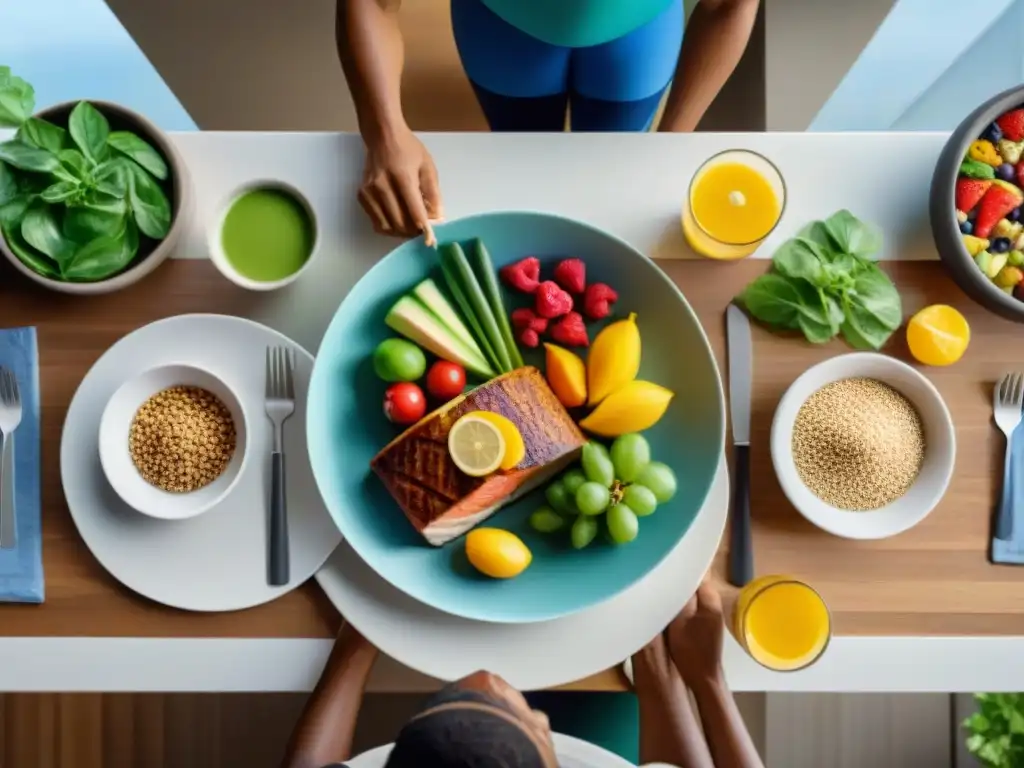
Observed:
{"x":515,"y":448}
{"x":938,"y":335}
{"x":476,"y":445}
{"x":497,"y":553}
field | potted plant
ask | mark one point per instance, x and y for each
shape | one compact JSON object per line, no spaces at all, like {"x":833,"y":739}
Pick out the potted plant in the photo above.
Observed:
{"x":996,"y":730}
{"x":92,"y":195}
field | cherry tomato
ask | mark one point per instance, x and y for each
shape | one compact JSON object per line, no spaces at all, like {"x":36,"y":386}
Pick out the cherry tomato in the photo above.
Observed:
{"x":404,"y":403}
{"x":446,"y":380}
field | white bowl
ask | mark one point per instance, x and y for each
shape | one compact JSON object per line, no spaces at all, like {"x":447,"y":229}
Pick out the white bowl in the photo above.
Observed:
{"x":117,"y":461}
{"x":939,"y":457}
{"x":216,"y":246}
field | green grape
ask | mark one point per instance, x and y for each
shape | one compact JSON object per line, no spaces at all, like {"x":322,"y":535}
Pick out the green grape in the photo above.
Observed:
{"x":583,"y":531}
{"x":622,"y":524}
{"x":640,"y":499}
{"x":597,"y":465}
{"x":546,"y":520}
{"x":572,"y":480}
{"x":558,"y":497}
{"x":592,"y":498}
{"x":660,"y":479}
{"x":630,"y":454}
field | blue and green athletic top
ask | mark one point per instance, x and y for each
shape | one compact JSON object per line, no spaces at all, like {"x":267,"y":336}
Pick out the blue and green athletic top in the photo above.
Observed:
{"x":577,"y":23}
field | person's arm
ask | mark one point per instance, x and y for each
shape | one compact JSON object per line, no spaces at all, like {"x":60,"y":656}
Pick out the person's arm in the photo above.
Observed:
{"x":372,"y":54}
{"x":727,"y":735}
{"x":716,"y":36}
{"x":324,"y":732}
{"x":669,"y":731}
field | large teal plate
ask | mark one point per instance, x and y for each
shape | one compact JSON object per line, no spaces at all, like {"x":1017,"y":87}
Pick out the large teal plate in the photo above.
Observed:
{"x":346,"y":428}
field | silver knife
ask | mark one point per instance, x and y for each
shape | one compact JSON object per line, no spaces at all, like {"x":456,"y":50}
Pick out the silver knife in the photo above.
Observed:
{"x":741,"y":373}
{"x":8,"y":523}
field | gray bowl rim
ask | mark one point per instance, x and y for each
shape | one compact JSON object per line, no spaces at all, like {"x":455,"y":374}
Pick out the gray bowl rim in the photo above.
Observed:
{"x":152,"y":260}
{"x":943,"y":195}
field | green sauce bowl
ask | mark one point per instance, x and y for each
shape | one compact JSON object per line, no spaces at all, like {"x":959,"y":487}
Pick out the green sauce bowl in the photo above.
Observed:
{"x":266,"y":235}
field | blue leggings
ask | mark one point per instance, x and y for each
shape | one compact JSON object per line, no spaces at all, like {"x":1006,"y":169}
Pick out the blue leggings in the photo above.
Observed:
{"x":524,"y":84}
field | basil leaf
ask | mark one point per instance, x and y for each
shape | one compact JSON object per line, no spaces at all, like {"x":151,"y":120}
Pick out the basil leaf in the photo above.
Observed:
{"x":814,"y":331}
{"x":75,"y":165}
{"x":41,"y":231}
{"x":5,"y":75}
{"x":140,"y":151}
{"x":89,"y":128}
{"x":876,"y":294}
{"x":17,"y":100}
{"x":26,"y":157}
{"x":802,"y":259}
{"x":28,"y":256}
{"x":98,"y":259}
{"x":14,"y":209}
{"x":862,"y":329}
{"x":8,"y":184}
{"x":111,"y":177}
{"x":42,"y":134}
{"x":851,"y":235}
{"x":818,"y":234}
{"x":90,"y":220}
{"x":781,"y":301}
{"x":150,"y":206}
{"x":60,"y":192}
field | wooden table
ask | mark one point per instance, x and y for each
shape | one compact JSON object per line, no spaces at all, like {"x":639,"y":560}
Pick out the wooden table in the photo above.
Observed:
{"x":934,"y":579}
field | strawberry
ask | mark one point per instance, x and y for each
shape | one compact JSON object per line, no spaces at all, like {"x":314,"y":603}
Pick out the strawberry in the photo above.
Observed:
{"x":1001,"y":198}
{"x":1012,"y":124}
{"x":597,"y":301}
{"x":969,"y":193}
{"x":571,"y":274}
{"x":529,"y":338}
{"x":525,"y":318}
{"x":570,"y":331}
{"x":552,"y":301}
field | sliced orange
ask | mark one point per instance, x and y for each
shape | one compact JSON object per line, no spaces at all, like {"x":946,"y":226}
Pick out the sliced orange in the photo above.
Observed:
{"x":938,"y":335}
{"x":515,"y":448}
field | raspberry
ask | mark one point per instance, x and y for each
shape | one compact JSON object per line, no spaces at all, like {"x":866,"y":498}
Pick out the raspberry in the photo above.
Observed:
{"x":524,"y":275}
{"x":570,"y":331}
{"x":529,"y":337}
{"x":571,"y":274}
{"x":526,"y":319}
{"x":597,"y":301}
{"x":552,"y":301}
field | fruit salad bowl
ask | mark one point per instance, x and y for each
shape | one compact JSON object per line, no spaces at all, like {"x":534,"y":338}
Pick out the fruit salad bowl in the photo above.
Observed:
{"x":348,"y":431}
{"x":981,"y":167}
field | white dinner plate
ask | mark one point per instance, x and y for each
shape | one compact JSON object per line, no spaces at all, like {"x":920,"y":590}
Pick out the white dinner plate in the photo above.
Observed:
{"x":535,"y":655}
{"x":218,"y":560}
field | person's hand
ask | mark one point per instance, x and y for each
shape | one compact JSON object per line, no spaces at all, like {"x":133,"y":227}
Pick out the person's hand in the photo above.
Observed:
{"x":696,"y":635}
{"x":399,"y":191}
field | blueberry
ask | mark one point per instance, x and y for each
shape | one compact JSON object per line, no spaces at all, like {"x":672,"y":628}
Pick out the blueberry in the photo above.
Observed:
{"x":1014,"y":215}
{"x":1005,"y":172}
{"x":993,"y":133}
{"x":966,"y":227}
{"x":1000,"y":245}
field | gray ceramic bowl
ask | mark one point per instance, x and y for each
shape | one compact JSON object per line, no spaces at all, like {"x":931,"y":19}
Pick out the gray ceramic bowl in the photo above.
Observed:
{"x":945,"y":228}
{"x":151,"y":255}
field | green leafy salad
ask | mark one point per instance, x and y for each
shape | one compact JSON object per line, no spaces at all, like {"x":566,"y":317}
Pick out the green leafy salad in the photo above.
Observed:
{"x":75,"y":200}
{"x":825,"y":282}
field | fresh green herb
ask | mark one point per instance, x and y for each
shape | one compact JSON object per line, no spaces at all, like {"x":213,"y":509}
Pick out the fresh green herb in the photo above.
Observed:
{"x":74,"y":199}
{"x":996,"y":730}
{"x":824,"y":282}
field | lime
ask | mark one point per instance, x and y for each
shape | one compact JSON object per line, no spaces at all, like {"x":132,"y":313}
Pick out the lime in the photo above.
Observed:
{"x":399,"y":360}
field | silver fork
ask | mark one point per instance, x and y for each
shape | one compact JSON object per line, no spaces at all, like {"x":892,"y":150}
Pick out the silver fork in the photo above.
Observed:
{"x":10,"y":418}
{"x":1007,"y":401}
{"x":280,"y":405}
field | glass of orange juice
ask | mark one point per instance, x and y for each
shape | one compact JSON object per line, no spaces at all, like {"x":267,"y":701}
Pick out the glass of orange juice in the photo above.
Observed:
{"x":782,"y":623}
{"x":735,"y":200}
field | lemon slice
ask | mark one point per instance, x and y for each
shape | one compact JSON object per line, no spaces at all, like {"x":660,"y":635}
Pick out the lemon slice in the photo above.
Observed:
{"x":476,"y":445}
{"x":515,"y":448}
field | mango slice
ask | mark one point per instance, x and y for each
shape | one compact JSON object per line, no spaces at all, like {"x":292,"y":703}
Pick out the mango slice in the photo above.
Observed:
{"x":614,"y":359}
{"x":634,"y":407}
{"x":567,"y":375}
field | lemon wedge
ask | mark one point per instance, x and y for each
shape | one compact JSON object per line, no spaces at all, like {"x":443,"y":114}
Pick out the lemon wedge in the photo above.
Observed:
{"x":515,"y":448}
{"x":476,"y":445}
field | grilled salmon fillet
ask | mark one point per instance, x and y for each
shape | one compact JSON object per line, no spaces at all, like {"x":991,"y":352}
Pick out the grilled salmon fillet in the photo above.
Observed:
{"x":439,"y":500}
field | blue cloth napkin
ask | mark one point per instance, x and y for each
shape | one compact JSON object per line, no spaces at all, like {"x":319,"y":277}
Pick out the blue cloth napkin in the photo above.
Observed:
{"x":21,"y":568}
{"x":1012,"y":552}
